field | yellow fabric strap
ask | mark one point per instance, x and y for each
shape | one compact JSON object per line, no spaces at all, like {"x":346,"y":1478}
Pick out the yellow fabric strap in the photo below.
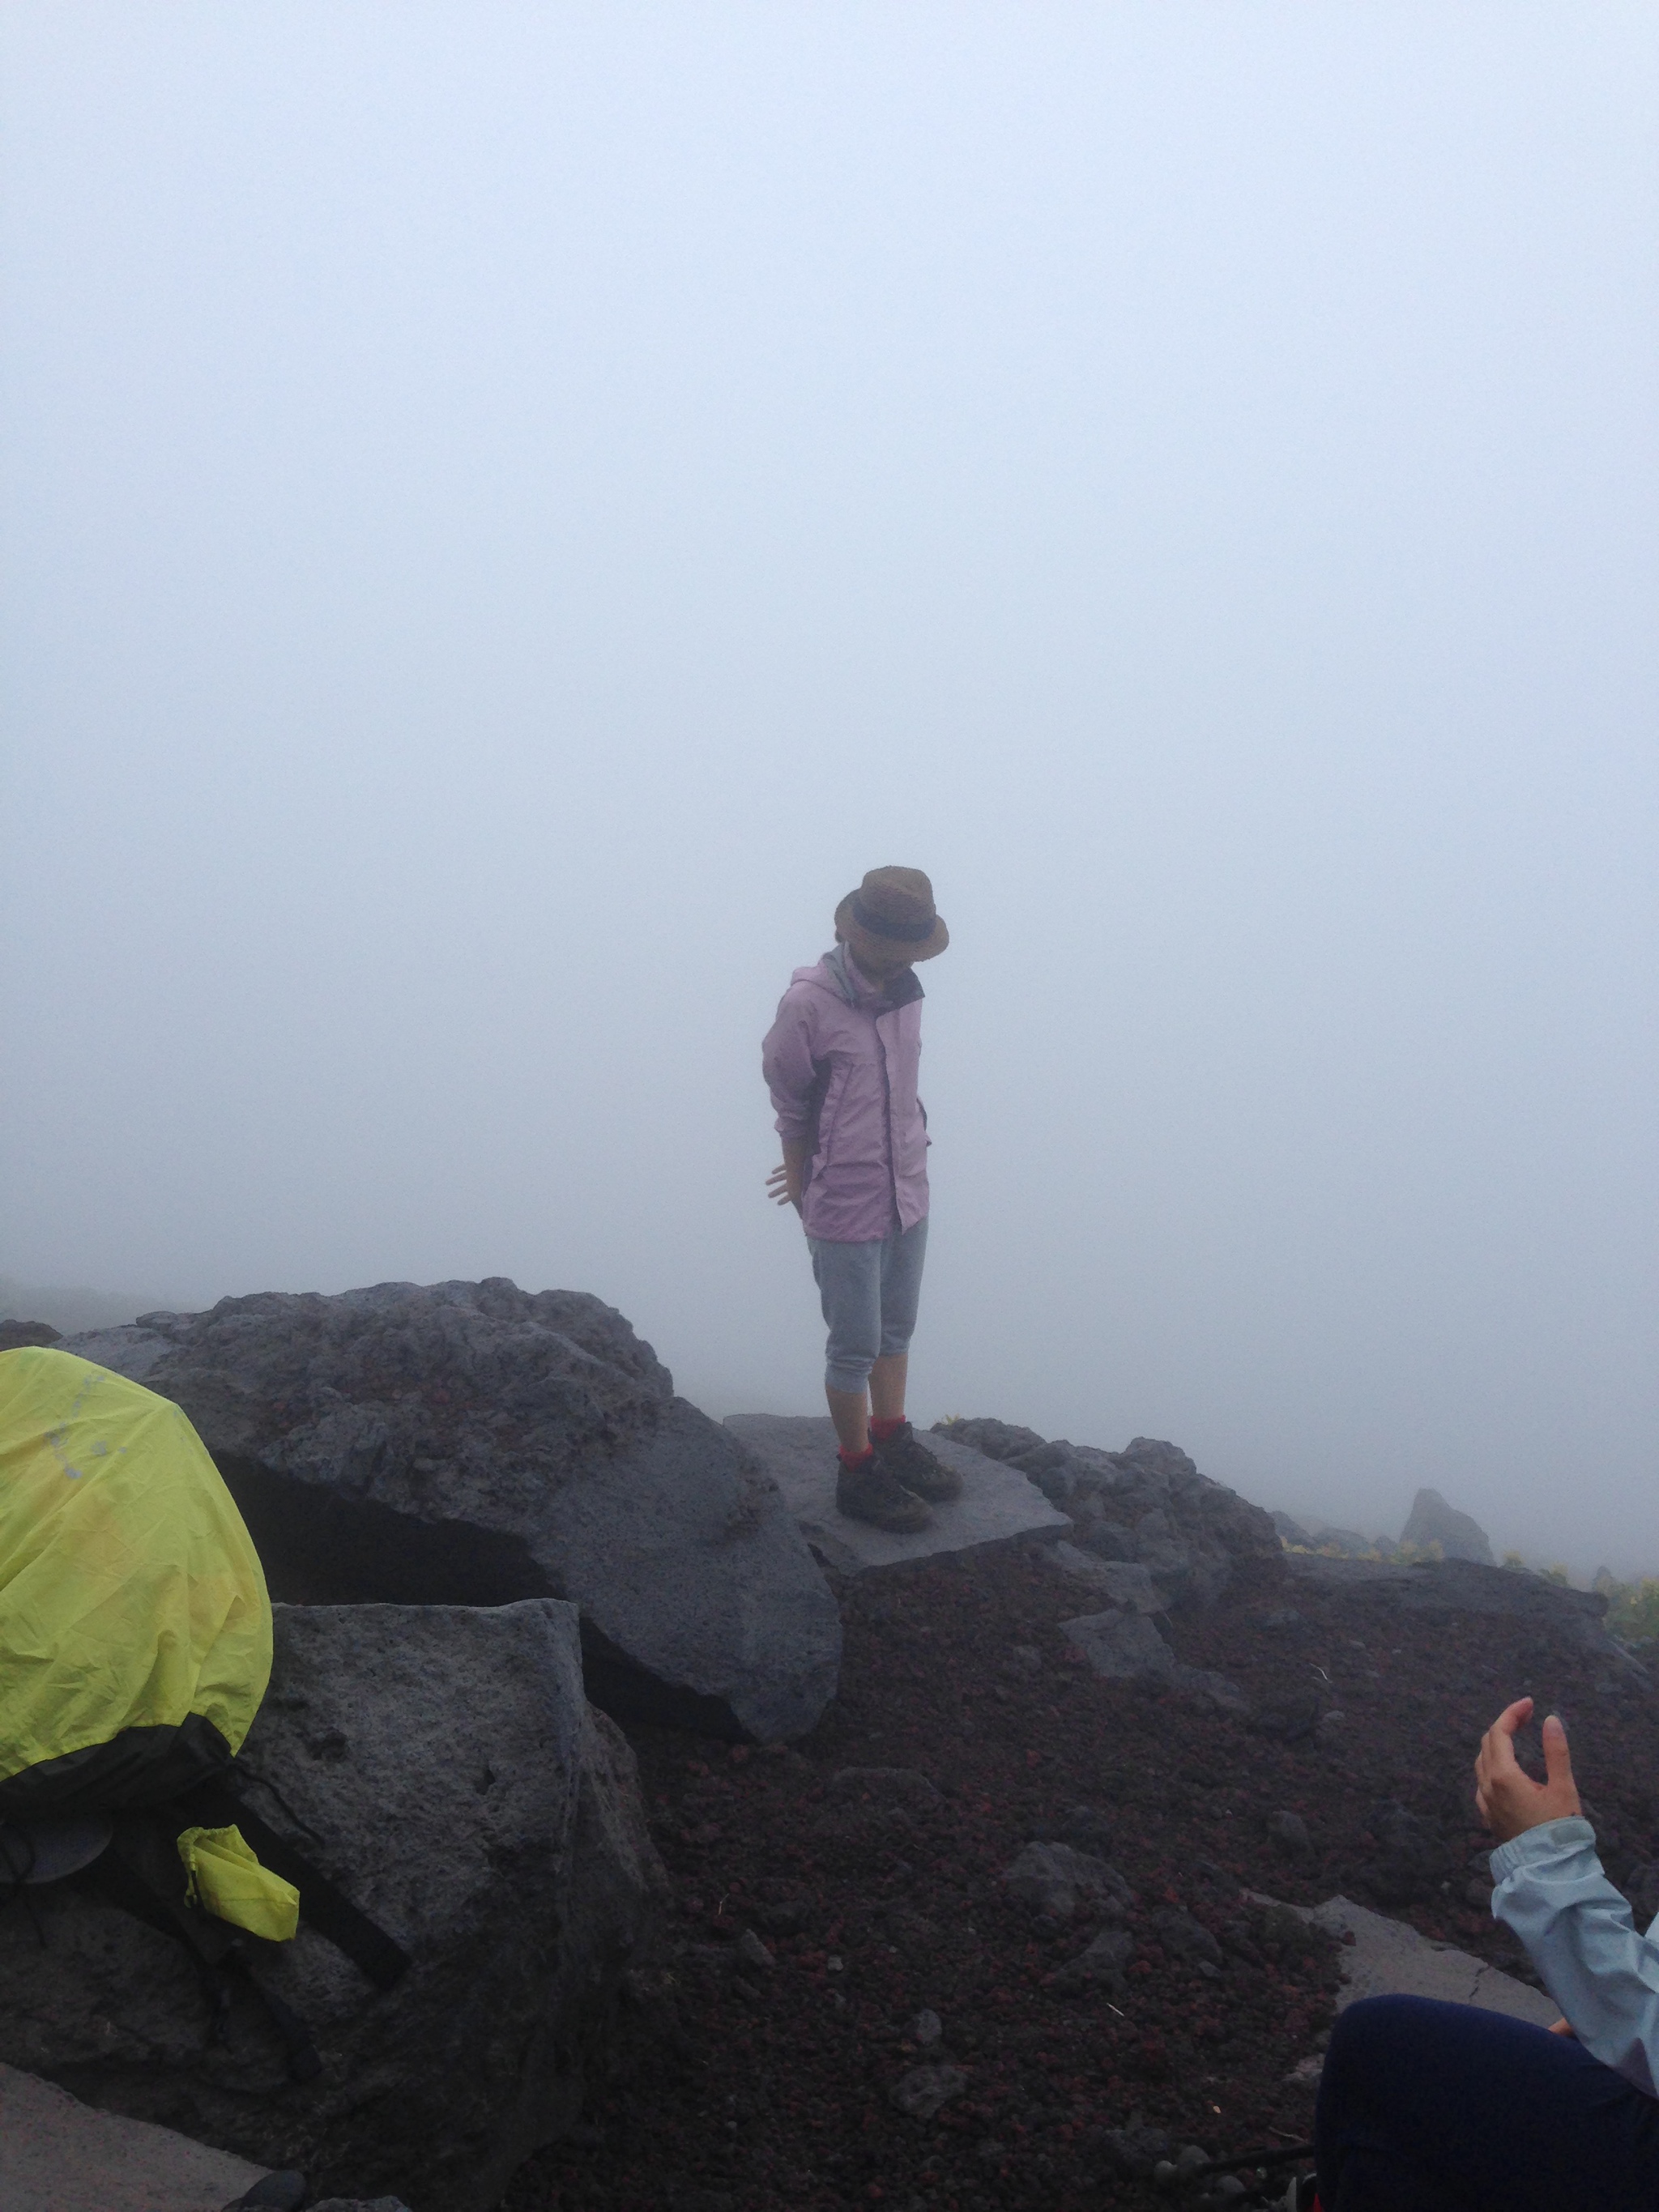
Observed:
{"x":226,"y":1879}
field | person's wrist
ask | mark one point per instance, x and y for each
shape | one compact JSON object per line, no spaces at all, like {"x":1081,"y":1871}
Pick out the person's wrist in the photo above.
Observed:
{"x":1513,"y":1850}
{"x":1525,"y":1818}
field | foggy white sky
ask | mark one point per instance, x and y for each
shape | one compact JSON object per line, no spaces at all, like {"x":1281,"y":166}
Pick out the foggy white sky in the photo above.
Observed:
{"x":509,"y":510}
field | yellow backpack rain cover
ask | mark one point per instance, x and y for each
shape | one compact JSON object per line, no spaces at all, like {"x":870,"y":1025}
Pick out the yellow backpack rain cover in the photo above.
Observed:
{"x":130,"y":1594}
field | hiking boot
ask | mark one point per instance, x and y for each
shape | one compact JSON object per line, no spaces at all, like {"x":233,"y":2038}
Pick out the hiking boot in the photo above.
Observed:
{"x":909,"y":1460}
{"x":871,"y":1493}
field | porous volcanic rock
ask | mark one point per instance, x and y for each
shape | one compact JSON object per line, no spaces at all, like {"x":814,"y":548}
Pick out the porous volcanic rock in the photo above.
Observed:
{"x":1431,"y":1520}
{"x":472,"y":1444}
{"x":1411,"y":1857}
{"x":1051,"y":1878}
{"x":14,"y":1335}
{"x":1125,"y":1647}
{"x":360,"y":2204}
{"x":1147,"y":1503}
{"x":452,"y":1778}
{"x":1380,"y":1587}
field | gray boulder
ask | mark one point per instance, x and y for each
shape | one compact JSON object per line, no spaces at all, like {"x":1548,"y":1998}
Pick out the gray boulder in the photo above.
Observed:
{"x":1289,"y":1832}
{"x":1183,"y":1937}
{"x":1120,"y":1582}
{"x":450,"y":1778}
{"x":1125,"y":1647}
{"x":1053,"y":1878}
{"x":1577,"y":1618}
{"x":920,"y":2093}
{"x":1121,"y":1646}
{"x":472,"y":1444}
{"x":1101,"y":1965}
{"x":1291,"y":1532}
{"x":14,"y":1335}
{"x":1410,"y":1860}
{"x":996,"y":1439}
{"x":1147,"y":1505}
{"x":1431,"y":1520}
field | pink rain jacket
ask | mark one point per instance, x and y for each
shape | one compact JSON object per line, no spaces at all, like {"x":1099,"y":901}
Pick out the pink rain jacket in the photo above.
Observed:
{"x":841,"y":1060}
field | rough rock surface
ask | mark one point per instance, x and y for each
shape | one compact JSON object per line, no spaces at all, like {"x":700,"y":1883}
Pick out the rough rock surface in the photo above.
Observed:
{"x":471,"y":1444}
{"x":920,"y":2093}
{"x":455,"y":1783}
{"x":1411,"y":1859}
{"x":57,"y":2154}
{"x":1053,"y":1878}
{"x":1146,"y":1503}
{"x":360,"y":2204}
{"x":1382,"y":1957}
{"x":17,"y":1333}
{"x":1126,"y":1647}
{"x":777,"y":2100}
{"x":1120,"y":1582}
{"x":1431,"y":1520}
{"x":1460,"y":1586}
{"x":1101,"y":1965}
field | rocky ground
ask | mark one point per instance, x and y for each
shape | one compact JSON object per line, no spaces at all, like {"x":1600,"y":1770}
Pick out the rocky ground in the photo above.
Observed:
{"x":781,"y":2053}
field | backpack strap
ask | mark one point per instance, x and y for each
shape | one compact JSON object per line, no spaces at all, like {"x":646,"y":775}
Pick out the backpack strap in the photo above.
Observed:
{"x":140,"y":1872}
{"x":322,"y":1906}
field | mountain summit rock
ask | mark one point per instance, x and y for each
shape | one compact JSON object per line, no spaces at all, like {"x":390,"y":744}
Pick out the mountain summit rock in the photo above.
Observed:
{"x":1459,"y":1536}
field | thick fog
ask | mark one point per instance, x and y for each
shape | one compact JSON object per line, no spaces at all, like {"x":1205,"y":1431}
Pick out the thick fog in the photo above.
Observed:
{"x":510,"y":510}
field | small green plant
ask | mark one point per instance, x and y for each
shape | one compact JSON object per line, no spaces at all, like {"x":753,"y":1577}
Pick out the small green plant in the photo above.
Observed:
{"x":1558,"y":1573}
{"x":1514,"y":1562}
{"x":1633,"y":1609}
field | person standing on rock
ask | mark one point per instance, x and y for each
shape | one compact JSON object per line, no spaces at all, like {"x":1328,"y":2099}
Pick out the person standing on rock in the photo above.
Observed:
{"x":840,"y":1062}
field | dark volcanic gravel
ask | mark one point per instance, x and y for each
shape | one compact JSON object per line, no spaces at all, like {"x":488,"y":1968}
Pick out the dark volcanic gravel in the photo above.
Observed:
{"x":815,"y":1917}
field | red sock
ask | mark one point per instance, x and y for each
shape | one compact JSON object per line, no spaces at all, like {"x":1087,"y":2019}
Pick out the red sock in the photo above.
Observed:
{"x":885,"y":1431}
{"x":863,"y":1458}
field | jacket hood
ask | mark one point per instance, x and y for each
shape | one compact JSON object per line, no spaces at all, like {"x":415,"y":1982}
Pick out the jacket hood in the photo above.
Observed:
{"x":830,"y":975}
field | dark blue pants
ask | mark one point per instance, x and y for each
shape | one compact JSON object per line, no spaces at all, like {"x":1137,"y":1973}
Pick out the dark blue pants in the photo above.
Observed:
{"x":1429,"y":2107}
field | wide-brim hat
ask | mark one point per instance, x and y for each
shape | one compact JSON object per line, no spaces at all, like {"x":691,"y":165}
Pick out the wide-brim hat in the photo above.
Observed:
{"x":892,"y":912}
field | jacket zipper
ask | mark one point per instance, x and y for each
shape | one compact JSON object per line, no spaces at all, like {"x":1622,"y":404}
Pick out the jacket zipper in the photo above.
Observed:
{"x":887,"y":1095}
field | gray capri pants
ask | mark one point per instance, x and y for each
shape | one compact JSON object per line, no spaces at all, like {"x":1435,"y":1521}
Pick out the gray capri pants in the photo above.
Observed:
{"x":869,"y":1292}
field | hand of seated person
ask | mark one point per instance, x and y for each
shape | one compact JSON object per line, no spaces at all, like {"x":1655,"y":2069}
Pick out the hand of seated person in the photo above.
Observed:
{"x":1507,"y":1799}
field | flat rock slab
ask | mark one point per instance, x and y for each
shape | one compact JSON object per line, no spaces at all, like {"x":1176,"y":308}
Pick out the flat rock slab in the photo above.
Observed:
{"x":998,"y":1505}
{"x":57,"y":2154}
{"x":1388,"y":1959}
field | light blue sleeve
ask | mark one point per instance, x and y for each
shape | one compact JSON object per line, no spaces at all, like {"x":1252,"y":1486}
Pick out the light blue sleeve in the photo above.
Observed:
{"x":1578,"y":1933}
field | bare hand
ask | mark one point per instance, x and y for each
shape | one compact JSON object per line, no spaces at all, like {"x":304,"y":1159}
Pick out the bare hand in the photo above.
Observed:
{"x":1508,"y":1800}
{"x":783,"y":1185}
{"x":1563,"y":2027}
